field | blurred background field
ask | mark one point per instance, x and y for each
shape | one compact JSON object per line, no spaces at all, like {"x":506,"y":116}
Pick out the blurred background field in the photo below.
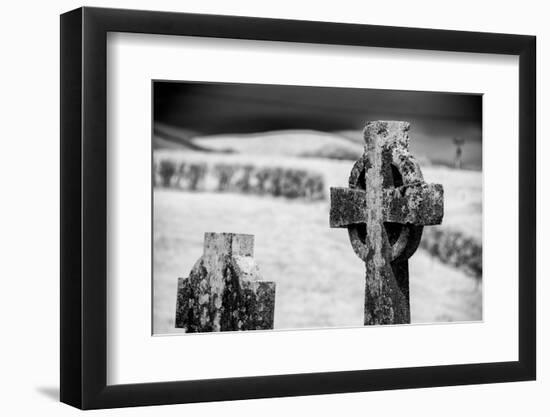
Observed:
{"x":319,"y":279}
{"x":274,"y":184}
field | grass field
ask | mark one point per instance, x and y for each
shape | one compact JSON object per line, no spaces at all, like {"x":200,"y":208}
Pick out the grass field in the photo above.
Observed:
{"x":320,"y":281}
{"x":319,"y":278}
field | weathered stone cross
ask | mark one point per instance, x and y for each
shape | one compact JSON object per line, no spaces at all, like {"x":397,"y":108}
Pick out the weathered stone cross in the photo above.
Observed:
{"x":224,"y":290}
{"x":384,"y":209}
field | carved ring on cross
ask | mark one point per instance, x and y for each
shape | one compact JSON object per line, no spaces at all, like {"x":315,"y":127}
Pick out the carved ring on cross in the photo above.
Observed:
{"x":403,"y":238}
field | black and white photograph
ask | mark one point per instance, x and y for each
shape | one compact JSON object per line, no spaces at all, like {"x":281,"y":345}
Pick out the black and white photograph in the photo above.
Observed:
{"x":275,"y":208}
{"x":279,"y":207}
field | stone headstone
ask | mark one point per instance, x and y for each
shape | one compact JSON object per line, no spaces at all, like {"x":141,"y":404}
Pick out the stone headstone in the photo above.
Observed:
{"x":224,"y":290}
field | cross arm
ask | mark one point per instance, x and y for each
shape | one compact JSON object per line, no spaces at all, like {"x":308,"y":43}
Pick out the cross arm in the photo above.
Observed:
{"x":418,"y":204}
{"x":347,"y":206}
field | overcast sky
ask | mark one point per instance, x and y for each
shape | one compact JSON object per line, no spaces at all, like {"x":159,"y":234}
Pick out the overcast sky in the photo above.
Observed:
{"x":210,"y":108}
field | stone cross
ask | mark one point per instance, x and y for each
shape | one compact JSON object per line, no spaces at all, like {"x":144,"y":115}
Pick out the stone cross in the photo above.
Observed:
{"x":384,"y":209}
{"x":224,"y":290}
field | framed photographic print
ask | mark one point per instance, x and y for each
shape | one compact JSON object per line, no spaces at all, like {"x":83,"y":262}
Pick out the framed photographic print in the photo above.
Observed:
{"x":257,"y":208}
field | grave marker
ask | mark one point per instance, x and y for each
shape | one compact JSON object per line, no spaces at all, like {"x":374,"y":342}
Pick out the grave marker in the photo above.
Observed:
{"x":384,"y":209}
{"x":224,"y":290}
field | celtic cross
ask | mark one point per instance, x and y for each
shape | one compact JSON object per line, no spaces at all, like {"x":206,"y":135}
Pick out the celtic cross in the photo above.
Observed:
{"x":384,"y":209}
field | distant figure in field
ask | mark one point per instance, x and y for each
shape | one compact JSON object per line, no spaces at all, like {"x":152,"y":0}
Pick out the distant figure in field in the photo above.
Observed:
{"x":459,"y":142}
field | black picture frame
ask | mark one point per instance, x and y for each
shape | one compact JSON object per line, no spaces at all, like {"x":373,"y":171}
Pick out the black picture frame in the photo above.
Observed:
{"x":84,"y":207}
